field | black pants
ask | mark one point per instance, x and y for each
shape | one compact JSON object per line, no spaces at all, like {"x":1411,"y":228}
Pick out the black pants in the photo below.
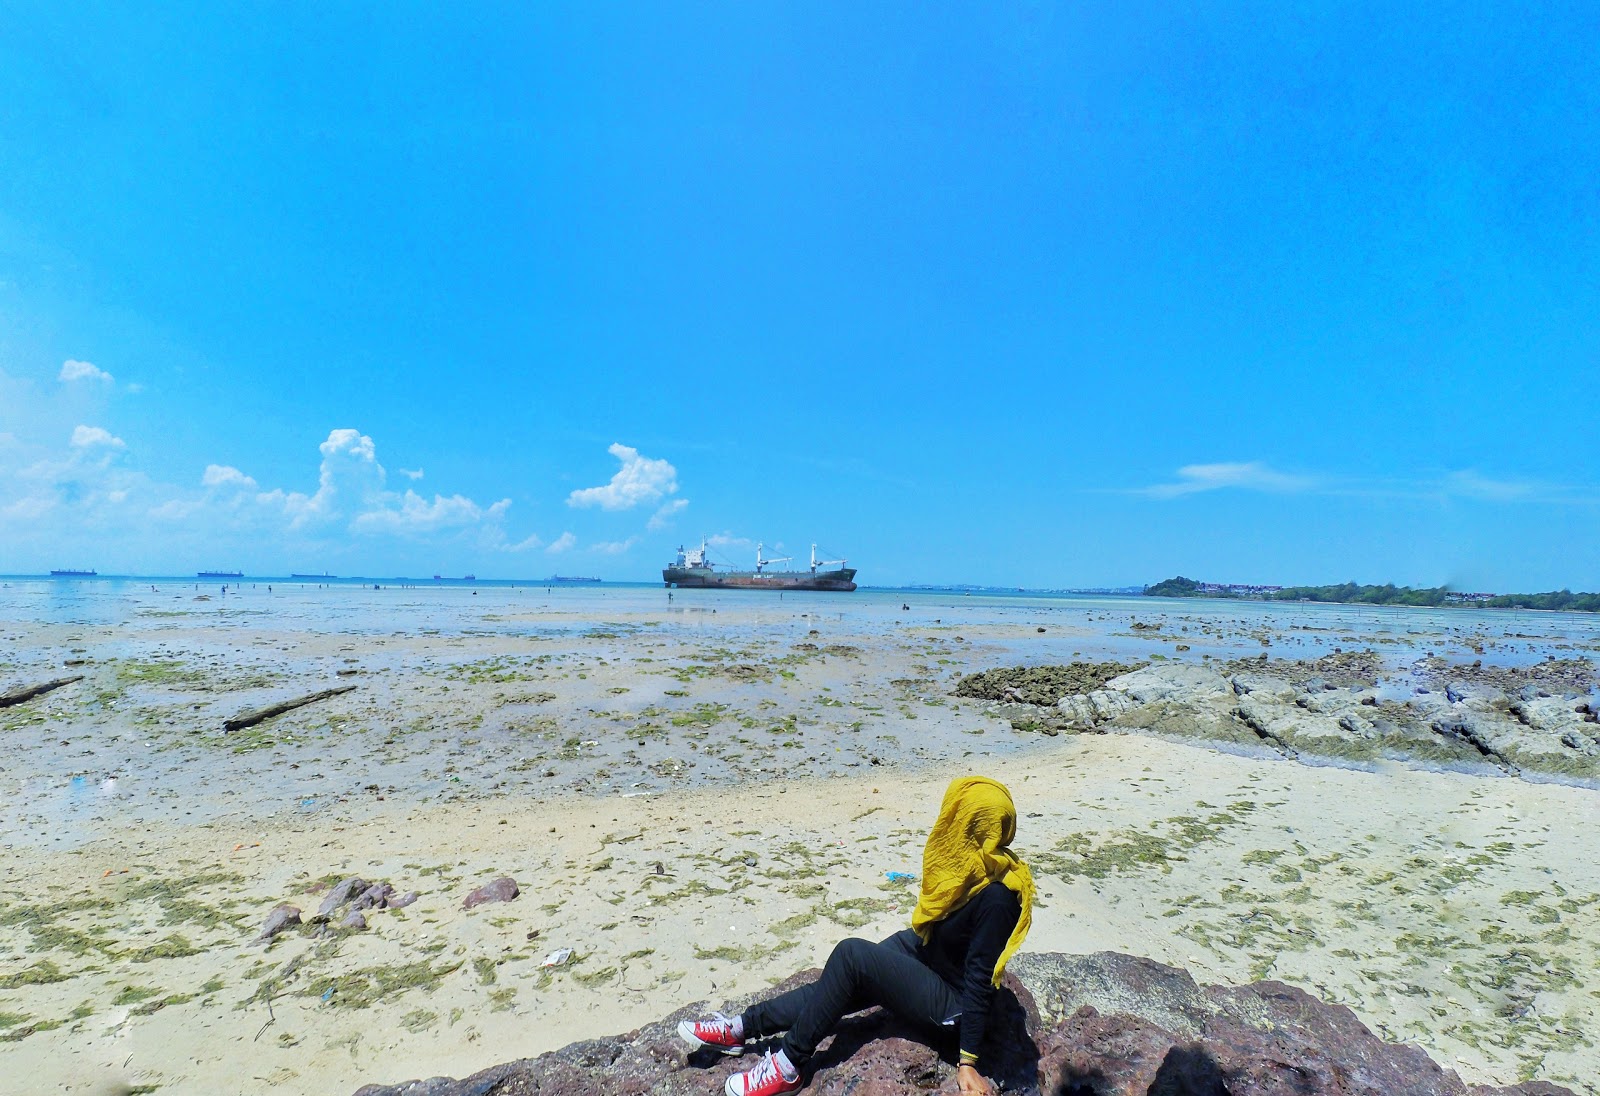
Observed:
{"x":858,"y":975}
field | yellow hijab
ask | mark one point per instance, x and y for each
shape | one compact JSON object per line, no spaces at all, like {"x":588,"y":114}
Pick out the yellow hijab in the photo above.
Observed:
{"x":969,"y":848}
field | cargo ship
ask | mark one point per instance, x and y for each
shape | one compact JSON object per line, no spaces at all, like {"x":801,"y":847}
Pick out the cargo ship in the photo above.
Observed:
{"x":219,"y":574}
{"x":69,"y":573}
{"x":693,"y":569}
{"x":296,"y":574}
{"x":567,"y":580}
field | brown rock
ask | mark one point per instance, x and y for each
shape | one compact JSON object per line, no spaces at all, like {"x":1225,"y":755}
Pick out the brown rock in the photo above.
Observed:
{"x":503,"y":889}
{"x":1063,"y":1025}
{"x":339,"y":895}
{"x":283,"y":917}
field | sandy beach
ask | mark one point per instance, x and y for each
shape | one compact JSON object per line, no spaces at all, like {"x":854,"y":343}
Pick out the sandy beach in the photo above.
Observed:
{"x":700,"y":797}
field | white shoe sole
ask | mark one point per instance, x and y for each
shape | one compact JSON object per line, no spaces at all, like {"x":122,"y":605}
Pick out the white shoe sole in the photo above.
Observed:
{"x":686,"y":1033}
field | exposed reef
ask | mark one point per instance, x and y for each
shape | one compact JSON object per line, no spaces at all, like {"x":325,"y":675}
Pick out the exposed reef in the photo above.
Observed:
{"x":1537,"y":721}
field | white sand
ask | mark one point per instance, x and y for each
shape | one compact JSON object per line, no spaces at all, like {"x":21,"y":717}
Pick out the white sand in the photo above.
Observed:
{"x":1447,"y":910}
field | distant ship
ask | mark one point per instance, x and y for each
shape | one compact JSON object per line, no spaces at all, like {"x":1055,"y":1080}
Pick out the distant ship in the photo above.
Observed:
{"x":693,"y":569}
{"x":69,"y":573}
{"x":323,"y":575}
{"x":561,"y":580}
{"x":220,"y":574}
{"x":464,"y":578}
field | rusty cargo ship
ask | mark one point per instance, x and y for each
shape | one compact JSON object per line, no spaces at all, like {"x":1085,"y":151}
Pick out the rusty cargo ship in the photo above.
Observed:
{"x":692,"y":569}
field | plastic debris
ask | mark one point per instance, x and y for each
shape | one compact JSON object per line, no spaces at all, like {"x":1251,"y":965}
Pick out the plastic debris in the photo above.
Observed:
{"x":557,"y":958}
{"x":900,"y":876}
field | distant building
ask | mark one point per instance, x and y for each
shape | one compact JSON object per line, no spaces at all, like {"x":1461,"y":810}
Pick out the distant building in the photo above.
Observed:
{"x":1237,"y":589}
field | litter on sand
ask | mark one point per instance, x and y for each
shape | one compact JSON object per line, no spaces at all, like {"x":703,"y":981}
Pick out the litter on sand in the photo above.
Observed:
{"x":557,"y":958}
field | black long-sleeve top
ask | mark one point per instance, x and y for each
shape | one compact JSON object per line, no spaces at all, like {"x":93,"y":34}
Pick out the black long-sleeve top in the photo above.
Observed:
{"x":963,"y":949}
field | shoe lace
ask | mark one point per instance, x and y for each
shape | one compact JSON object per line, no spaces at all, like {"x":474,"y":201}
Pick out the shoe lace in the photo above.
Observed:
{"x":718,"y":1025}
{"x":763,"y":1073}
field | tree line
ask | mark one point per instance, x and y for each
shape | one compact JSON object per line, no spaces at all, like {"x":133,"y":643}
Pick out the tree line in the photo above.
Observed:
{"x":1388,"y":594}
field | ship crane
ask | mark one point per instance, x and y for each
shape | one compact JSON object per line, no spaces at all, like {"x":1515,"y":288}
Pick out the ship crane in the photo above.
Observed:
{"x":815,"y":562}
{"x":761,"y":563}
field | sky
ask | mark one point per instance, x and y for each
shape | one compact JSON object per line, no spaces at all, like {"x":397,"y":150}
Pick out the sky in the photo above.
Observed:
{"x":1040,"y":295}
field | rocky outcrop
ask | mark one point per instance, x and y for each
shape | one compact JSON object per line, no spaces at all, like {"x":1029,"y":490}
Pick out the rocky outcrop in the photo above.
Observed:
{"x":1064,"y":1025}
{"x":1335,"y":708}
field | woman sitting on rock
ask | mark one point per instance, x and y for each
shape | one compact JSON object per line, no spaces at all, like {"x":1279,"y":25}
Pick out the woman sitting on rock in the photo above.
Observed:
{"x":942,"y":971}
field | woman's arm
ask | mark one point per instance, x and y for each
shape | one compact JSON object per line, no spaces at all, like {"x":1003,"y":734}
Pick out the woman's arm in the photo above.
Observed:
{"x":995,"y":912}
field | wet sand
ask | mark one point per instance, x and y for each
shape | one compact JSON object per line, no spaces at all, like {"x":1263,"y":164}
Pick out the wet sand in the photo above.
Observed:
{"x":699,"y":803}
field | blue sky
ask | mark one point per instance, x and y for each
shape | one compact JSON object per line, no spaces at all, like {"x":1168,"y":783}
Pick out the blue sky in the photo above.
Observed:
{"x":1045,"y":295}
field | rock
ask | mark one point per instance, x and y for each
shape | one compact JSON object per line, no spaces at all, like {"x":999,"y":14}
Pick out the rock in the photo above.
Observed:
{"x":374,"y":897}
{"x":503,"y":889}
{"x":1040,"y":685}
{"x":339,"y":895}
{"x":283,"y":917}
{"x":354,"y":921}
{"x":395,"y":903}
{"x":1063,"y":1025}
{"x":1169,"y":681}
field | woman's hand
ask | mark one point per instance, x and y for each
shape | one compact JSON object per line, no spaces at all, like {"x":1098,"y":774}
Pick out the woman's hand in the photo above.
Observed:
{"x":972,"y":1082}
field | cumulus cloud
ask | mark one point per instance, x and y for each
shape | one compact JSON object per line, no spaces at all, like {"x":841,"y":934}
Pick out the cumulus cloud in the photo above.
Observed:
{"x":415,"y":514}
{"x":223,"y":475}
{"x":72,"y":370}
{"x":663,"y":517}
{"x":82,"y":491}
{"x":410,"y":473}
{"x":89,"y":437}
{"x":1251,"y":476}
{"x":639,"y":481}
{"x":564,"y":543}
{"x":615,"y":547}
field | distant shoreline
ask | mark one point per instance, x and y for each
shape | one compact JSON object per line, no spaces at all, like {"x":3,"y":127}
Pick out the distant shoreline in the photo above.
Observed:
{"x":1350,"y":593}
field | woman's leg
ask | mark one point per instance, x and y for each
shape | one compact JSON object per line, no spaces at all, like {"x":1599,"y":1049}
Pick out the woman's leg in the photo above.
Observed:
{"x":860,"y":974}
{"x":771,"y":1017}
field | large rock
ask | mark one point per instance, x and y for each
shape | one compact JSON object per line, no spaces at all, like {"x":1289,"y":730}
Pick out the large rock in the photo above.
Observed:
{"x":1466,"y":724}
{"x":1064,"y":1025}
{"x":1177,"y":682}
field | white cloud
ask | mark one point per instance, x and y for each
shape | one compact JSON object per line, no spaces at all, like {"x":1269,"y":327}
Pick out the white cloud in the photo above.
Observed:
{"x":72,"y":370}
{"x":87,"y":437}
{"x":563,"y":543}
{"x":28,"y":508}
{"x":639,"y":480}
{"x":615,"y":547}
{"x":1251,"y":476}
{"x":1461,"y":484}
{"x":663,"y":517}
{"x":410,"y":473}
{"x":415,"y":514}
{"x":224,"y":475}
{"x":1472,"y":485}
{"x":527,"y":544}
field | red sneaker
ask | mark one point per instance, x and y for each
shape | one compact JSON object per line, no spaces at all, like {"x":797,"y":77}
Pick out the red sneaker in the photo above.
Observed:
{"x":716,"y":1033}
{"x":766,"y":1079}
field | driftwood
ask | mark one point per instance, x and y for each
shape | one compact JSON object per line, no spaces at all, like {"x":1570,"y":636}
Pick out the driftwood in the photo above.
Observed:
{"x":250,"y":719}
{"x":28,"y":692}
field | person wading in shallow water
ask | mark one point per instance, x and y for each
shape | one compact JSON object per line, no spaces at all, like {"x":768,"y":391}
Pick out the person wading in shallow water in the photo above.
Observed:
{"x":974,"y":910}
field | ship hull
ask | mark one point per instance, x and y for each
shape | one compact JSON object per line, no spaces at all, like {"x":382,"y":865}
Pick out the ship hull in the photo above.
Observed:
{"x":841,"y":580}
